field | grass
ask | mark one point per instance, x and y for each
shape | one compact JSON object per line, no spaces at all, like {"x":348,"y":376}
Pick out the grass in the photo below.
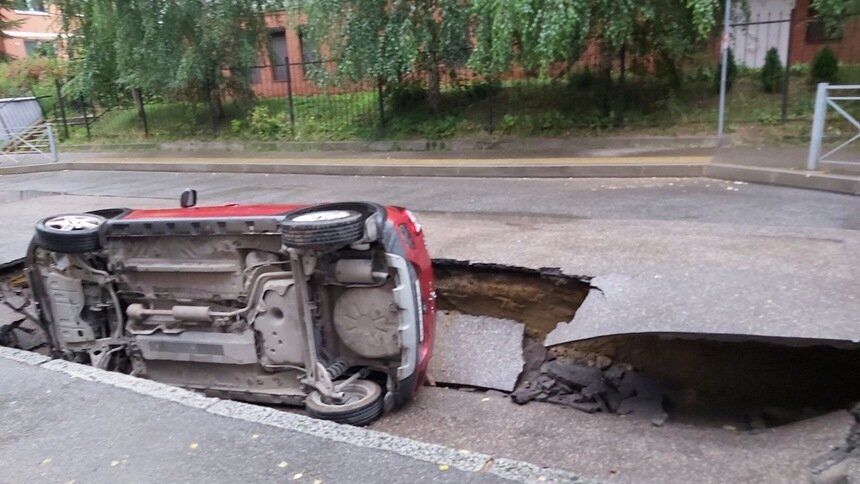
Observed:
{"x":515,"y":108}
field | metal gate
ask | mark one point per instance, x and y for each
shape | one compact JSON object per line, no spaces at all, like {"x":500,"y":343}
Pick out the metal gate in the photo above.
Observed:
{"x":32,"y":144}
{"x":824,"y":100}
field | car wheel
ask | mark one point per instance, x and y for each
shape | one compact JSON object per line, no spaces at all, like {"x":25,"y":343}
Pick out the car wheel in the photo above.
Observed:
{"x":318,"y":228}
{"x":73,"y":233}
{"x":362,"y":404}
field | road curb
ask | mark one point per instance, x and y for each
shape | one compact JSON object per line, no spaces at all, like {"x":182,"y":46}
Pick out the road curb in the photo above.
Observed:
{"x":810,"y":180}
{"x":763,"y":175}
{"x":357,"y":436}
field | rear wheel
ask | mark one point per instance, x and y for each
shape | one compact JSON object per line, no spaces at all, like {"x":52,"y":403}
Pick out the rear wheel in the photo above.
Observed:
{"x":317,"y":228}
{"x":70,"y":233}
{"x":362,"y":404}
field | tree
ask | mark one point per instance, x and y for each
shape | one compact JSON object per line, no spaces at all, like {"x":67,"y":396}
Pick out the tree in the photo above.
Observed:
{"x":835,"y":12}
{"x":825,"y":66}
{"x":192,"y":49}
{"x":6,"y":23}
{"x":538,"y":33}
{"x":386,"y":39}
{"x":772,"y":73}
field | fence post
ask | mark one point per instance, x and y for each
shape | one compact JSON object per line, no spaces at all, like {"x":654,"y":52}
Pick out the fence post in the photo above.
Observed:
{"x":86,"y":117}
{"x":491,"y":121}
{"x":62,"y":105}
{"x":52,"y":142}
{"x":380,"y":102}
{"x":818,"y":120}
{"x":290,"y":107}
{"x":787,"y":77}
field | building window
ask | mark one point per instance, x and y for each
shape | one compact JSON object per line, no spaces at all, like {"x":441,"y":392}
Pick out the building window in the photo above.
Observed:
{"x":816,"y":30}
{"x":278,"y":52}
{"x":29,"y":5}
{"x":309,"y":48}
{"x":33,"y":48}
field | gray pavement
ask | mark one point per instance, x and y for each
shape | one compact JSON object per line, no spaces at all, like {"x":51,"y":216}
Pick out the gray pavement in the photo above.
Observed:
{"x":614,"y":448}
{"x":673,"y":254}
{"x":677,"y":255}
{"x":50,"y":418}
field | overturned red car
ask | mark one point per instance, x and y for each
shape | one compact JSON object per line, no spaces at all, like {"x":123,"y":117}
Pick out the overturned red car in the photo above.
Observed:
{"x":328,"y":306}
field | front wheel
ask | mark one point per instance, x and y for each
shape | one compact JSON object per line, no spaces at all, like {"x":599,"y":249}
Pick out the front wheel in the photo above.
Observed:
{"x":362,"y":404}
{"x":70,"y":233}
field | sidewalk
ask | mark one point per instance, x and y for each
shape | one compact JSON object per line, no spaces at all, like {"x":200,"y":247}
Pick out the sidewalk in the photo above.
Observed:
{"x":137,"y":430}
{"x":768,"y":165}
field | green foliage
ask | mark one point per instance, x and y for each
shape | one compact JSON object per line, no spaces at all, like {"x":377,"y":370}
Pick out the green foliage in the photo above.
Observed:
{"x":583,"y":79}
{"x":406,"y":96}
{"x":538,"y":33}
{"x":825,"y":66}
{"x":386,"y":39}
{"x":265,"y":124}
{"x":772,"y":72}
{"x":731,"y":73}
{"x":835,"y":12}
{"x":189,"y":49}
{"x":21,"y":76}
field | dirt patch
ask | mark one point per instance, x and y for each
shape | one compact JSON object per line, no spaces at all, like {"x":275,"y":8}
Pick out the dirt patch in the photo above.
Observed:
{"x":539,"y":298}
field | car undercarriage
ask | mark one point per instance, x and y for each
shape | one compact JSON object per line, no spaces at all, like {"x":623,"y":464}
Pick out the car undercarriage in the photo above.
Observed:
{"x":328,"y":306}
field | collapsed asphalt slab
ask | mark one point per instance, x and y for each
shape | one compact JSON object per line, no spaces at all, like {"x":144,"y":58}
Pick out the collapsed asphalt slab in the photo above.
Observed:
{"x":477,"y":351}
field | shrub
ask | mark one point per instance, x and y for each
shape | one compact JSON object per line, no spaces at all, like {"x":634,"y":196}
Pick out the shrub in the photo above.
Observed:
{"x":583,"y":79}
{"x":772,"y":72}
{"x":265,"y":124}
{"x":731,"y":72}
{"x":408,"y":95}
{"x":825,"y":66}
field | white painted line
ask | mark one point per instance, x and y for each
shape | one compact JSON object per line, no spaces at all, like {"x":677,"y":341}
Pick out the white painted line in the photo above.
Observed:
{"x":357,"y":436}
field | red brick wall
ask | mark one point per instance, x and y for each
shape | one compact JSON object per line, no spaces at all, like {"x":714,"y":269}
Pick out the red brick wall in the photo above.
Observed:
{"x":847,"y":48}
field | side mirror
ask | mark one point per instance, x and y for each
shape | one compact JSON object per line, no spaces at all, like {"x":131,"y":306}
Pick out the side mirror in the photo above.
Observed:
{"x":188,"y":198}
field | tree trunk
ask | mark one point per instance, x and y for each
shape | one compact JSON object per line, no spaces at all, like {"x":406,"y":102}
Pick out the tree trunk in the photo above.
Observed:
{"x":619,"y":102}
{"x":604,"y":78}
{"x":216,"y":107}
{"x":433,"y":84}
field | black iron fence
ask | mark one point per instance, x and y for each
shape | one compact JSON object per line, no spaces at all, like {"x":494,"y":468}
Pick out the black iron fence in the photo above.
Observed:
{"x":307,"y":100}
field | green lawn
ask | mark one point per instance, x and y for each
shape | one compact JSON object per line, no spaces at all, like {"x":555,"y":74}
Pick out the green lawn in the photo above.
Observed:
{"x":515,"y":108}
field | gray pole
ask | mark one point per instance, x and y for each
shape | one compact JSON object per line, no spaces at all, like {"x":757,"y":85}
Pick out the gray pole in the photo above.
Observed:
{"x":819,"y":117}
{"x":723,"y":70}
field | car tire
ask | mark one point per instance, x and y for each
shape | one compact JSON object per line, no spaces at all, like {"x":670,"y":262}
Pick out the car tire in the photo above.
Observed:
{"x":363,"y":409}
{"x":321,"y":228}
{"x":72,"y":233}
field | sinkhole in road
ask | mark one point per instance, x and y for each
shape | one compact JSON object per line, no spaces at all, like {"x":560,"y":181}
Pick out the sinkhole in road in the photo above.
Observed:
{"x":745,"y":382}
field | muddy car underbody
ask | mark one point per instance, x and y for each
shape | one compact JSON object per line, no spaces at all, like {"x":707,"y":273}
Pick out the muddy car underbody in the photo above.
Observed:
{"x":329,"y":307}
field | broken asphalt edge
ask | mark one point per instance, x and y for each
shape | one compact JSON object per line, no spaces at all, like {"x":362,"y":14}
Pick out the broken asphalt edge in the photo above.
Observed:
{"x":360,"y":437}
{"x":809,"y":180}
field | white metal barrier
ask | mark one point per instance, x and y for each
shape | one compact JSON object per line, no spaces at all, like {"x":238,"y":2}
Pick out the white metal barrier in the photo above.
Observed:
{"x":30,"y":143}
{"x":823,"y":100}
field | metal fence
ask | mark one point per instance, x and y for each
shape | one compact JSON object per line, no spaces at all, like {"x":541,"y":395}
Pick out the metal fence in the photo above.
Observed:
{"x":306,"y":100}
{"x":835,"y":100}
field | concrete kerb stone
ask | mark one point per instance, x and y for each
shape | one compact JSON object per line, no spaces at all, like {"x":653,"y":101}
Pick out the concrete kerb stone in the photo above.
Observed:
{"x":26,"y":357}
{"x":360,"y":437}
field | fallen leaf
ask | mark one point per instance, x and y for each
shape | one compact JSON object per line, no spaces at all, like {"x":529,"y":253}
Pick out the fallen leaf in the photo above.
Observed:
{"x":283,"y":464}
{"x":485,"y":399}
{"x":464,"y":452}
{"x":46,"y":461}
{"x":193,"y":445}
{"x":114,"y":463}
{"x":255,"y":436}
{"x":297,"y":476}
{"x":317,"y":481}
{"x":443,"y":467}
